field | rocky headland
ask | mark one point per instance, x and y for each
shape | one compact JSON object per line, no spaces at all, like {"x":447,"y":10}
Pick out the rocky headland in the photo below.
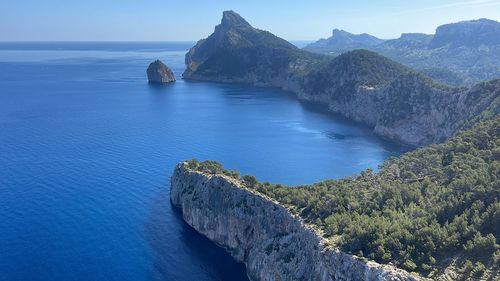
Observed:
{"x":396,"y":101}
{"x":273,"y":243}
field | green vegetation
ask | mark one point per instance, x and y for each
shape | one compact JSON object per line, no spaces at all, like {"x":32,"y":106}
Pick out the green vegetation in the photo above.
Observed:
{"x":341,"y":75}
{"x":428,"y":205}
{"x":471,"y":54}
{"x":419,"y":210}
{"x":211,"y":167}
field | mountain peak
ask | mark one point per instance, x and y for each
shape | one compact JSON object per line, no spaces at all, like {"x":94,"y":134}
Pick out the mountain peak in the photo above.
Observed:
{"x":236,"y":49}
{"x":342,"y":40}
{"x":337,"y":31}
{"x":233,"y":19}
{"x":472,"y":33}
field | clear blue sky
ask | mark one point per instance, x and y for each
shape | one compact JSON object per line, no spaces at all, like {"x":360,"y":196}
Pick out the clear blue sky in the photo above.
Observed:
{"x":185,"y":20}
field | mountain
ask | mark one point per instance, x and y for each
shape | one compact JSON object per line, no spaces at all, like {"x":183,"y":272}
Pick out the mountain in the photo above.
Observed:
{"x":341,"y":41}
{"x":473,"y":34}
{"x":237,"y":52}
{"x":397,"y":102}
{"x":468,"y":49}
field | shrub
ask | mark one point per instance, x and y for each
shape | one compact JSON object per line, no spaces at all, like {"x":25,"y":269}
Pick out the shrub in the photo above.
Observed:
{"x":249,"y":181}
{"x":210,"y":167}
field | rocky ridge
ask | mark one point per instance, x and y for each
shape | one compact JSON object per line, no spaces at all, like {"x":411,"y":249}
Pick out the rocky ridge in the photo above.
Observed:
{"x":458,"y":53}
{"x":342,"y":41}
{"x":273,"y":243}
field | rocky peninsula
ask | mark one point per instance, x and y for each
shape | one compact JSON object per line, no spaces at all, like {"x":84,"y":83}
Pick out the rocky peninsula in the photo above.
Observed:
{"x":273,"y":243}
{"x":159,"y":73}
{"x":396,"y":101}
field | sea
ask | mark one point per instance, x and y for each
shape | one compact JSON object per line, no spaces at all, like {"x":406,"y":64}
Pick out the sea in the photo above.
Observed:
{"x":87,"y":148}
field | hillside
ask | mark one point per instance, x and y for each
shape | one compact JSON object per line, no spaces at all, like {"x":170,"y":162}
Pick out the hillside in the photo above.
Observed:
{"x":469,"y":50}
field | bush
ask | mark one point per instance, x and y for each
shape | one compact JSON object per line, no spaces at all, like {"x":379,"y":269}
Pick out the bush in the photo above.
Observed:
{"x":210,"y":167}
{"x":409,"y":265}
{"x":249,"y":181}
{"x":478,"y":269}
{"x":193,"y":164}
{"x":232,"y":174}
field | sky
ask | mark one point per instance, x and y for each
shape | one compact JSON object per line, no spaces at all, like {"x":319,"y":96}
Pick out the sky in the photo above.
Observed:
{"x":190,"y":20}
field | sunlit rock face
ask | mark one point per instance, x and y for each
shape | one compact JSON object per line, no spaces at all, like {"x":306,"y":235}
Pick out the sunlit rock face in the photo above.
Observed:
{"x":273,"y":243}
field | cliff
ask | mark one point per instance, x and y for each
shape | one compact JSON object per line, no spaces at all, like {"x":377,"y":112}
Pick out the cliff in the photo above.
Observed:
{"x":237,"y":52}
{"x":397,"y":102}
{"x":273,"y":243}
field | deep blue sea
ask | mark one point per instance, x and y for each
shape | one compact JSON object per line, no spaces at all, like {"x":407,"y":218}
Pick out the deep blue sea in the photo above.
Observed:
{"x":87,"y":148}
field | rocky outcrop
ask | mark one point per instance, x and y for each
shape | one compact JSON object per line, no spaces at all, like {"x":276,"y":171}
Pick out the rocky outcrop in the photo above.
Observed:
{"x":397,"y":102}
{"x":159,"y":73}
{"x":238,"y":52}
{"x":273,"y":243}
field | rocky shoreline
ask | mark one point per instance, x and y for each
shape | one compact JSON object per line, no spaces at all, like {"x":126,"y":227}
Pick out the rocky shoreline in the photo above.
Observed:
{"x":273,"y":243}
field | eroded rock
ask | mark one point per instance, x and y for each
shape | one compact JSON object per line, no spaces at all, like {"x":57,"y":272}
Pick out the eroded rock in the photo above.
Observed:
{"x":159,"y":73}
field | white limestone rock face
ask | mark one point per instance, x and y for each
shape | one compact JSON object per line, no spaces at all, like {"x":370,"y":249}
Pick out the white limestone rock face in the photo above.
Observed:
{"x":159,"y":73}
{"x":274,"y":244}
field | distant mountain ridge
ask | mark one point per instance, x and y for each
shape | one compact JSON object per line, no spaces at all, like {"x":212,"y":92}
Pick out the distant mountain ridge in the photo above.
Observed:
{"x":474,"y":33}
{"x":469,"y":50}
{"x":342,"y":40}
{"x":396,"y":101}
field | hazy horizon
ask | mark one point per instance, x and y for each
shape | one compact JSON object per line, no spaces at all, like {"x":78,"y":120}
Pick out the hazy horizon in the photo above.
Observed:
{"x":168,"y":21}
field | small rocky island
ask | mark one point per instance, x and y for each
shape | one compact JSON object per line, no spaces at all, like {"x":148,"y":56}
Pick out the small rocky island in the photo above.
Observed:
{"x":159,"y":73}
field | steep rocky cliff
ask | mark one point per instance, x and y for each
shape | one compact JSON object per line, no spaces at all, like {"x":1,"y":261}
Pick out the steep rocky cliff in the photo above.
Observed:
{"x":273,"y":243}
{"x":397,"y":102}
{"x":237,"y":52}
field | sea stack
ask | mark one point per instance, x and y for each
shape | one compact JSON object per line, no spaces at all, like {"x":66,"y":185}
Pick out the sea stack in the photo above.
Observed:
{"x":159,"y":73}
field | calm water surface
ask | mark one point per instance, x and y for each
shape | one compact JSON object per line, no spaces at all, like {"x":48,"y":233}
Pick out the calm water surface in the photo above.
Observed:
{"x":87,"y":148}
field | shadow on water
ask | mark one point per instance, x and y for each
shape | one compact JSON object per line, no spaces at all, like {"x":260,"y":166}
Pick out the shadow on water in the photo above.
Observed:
{"x":160,"y":87}
{"x":312,"y":107}
{"x":193,"y":251}
{"x":387,"y":144}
